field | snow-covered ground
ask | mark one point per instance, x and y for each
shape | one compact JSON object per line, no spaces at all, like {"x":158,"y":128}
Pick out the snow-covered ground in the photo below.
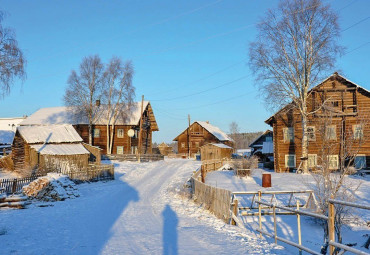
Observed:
{"x":141,"y":212}
{"x":312,"y":234}
{"x":8,"y":174}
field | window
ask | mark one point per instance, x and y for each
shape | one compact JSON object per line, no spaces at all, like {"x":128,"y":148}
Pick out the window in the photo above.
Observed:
{"x":360,"y":161}
{"x":133,"y":149}
{"x":120,"y":132}
{"x":135,"y":135}
{"x":311,"y":133}
{"x":197,"y":144}
{"x":331,"y":133}
{"x":288,"y":134}
{"x":119,"y":149}
{"x":333,"y":162}
{"x":96,"y":133}
{"x":268,"y":138}
{"x":290,"y":160}
{"x":182,"y":145}
{"x":358,"y":132}
{"x":312,"y":160}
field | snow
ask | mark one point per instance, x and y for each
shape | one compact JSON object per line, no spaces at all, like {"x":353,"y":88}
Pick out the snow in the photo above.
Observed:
{"x":49,"y":134}
{"x":312,"y":233}
{"x":215,"y":131}
{"x":221,"y":145}
{"x":60,"y":149}
{"x":143,"y":211}
{"x":6,"y":136}
{"x":63,"y":115}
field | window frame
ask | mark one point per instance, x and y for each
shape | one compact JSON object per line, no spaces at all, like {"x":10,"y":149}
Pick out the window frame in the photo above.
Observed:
{"x":123,"y":149}
{"x":286,"y":160}
{"x":315,"y":160}
{"x":286,"y":132}
{"x":329,"y":160}
{"x":333,"y":127}
{"x":312,"y":133}
{"x":120,"y":133}
{"x":96,"y":134}
{"x":355,"y":131}
{"x":182,"y":145}
{"x":354,"y":161}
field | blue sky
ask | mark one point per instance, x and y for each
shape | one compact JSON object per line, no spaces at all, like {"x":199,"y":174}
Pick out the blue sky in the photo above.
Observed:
{"x":189,"y":56}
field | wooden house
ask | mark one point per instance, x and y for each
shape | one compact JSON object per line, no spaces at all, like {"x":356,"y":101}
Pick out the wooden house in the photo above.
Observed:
{"x":165,"y":149}
{"x":262,"y":146}
{"x":213,"y":151}
{"x":8,"y":127}
{"x":122,"y":142}
{"x":339,"y":122}
{"x":46,"y":146}
{"x":198,"y":134}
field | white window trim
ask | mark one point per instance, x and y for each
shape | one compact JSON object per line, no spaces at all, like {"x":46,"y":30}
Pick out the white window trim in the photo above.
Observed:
{"x":353,"y":130}
{"x":122,"y":135}
{"x":95,"y":134}
{"x":362,"y":155}
{"x":314,"y":155}
{"x":335,"y":132}
{"x":286,"y":160}
{"x":123,"y":149}
{"x":335,"y":156}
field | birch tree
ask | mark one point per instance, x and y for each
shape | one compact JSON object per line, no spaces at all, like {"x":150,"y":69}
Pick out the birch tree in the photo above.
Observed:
{"x":296,"y":45}
{"x":12,"y":61}
{"x":83,"y":89}
{"x":118,"y":94}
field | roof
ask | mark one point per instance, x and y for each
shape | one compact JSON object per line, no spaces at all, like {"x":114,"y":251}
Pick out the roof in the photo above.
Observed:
{"x":6,"y":136}
{"x":217,"y":132}
{"x":64,"y":115}
{"x":49,"y":134}
{"x":163,"y":145}
{"x":264,"y":133}
{"x":333,"y":76}
{"x":60,"y":149}
{"x":221,"y":145}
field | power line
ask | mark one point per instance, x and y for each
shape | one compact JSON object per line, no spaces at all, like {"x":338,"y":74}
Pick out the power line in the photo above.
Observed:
{"x":362,"y":45}
{"x":356,"y":23}
{"x":203,"y":91}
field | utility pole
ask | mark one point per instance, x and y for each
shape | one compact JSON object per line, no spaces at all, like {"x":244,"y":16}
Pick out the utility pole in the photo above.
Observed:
{"x":140,"y":130}
{"x":189,"y":135}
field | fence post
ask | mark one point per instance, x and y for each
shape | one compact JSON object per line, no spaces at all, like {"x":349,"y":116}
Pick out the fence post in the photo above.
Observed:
{"x":14,"y":188}
{"x":299,"y":228}
{"x":331,"y":227}
{"x":259,"y":212}
{"x":275,"y":232}
{"x":235,"y":210}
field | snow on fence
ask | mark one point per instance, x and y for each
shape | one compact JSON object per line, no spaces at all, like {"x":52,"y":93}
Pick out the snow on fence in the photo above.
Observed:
{"x":213,"y":199}
{"x":11,"y":186}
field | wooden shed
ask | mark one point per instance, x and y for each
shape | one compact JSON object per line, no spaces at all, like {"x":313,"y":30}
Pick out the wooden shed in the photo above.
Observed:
{"x":47,"y":147}
{"x":215,"y":151}
{"x":165,"y":149}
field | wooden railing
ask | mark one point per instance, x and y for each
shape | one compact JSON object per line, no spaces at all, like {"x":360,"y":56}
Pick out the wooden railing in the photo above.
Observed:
{"x":11,"y":186}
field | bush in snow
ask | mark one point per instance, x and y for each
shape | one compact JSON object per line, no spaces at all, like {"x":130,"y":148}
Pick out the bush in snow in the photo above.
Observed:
{"x":53,"y":187}
{"x":245,"y":166}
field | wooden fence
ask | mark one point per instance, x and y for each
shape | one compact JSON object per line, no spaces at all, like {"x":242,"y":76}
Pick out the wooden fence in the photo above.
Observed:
{"x":134,"y":157}
{"x":298,"y":212}
{"x":11,"y":186}
{"x":91,"y":173}
{"x":213,"y":199}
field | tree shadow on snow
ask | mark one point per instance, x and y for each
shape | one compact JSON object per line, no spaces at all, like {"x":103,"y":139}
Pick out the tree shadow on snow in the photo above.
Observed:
{"x":170,"y":222}
{"x":258,"y":180}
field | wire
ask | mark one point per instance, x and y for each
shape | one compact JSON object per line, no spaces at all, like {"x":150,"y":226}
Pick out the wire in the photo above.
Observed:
{"x":362,"y":45}
{"x":356,"y":23}
{"x":203,"y":91}
{"x":344,"y":7}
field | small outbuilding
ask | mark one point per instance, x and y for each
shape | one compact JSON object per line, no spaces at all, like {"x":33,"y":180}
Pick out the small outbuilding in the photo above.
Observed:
{"x":215,"y":151}
{"x":165,"y":149}
{"x":48,"y":147}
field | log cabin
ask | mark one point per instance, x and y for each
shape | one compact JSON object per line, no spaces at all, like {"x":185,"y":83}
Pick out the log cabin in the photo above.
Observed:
{"x":165,"y":149}
{"x":198,"y":134}
{"x":338,"y":127}
{"x":46,"y":146}
{"x":122,"y":142}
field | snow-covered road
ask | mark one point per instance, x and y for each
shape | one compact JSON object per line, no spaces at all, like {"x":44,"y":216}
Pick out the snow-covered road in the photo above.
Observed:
{"x":141,"y":212}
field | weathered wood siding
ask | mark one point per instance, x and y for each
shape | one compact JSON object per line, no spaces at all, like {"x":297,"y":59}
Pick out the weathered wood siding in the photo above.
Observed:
{"x":354,"y":103}
{"x":210,"y":152}
{"x":198,"y":136}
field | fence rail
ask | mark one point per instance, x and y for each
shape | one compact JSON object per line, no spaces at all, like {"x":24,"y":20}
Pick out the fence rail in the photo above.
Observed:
{"x":92,"y":173}
{"x":11,"y":186}
{"x":134,"y":157}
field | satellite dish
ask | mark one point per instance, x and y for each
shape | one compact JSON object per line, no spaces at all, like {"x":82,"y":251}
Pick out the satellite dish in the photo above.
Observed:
{"x":130,"y":132}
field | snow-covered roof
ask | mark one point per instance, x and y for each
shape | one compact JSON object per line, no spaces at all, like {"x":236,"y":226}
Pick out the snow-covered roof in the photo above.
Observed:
{"x":49,"y":134}
{"x":218,"y":133}
{"x":263,"y":134}
{"x":221,"y":145}
{"x":64,"y":115}
{"x":6,"y":136}
{"x":60,"y":149}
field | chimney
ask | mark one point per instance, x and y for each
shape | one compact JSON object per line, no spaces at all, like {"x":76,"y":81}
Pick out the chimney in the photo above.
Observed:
{"x":97,"y":102}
